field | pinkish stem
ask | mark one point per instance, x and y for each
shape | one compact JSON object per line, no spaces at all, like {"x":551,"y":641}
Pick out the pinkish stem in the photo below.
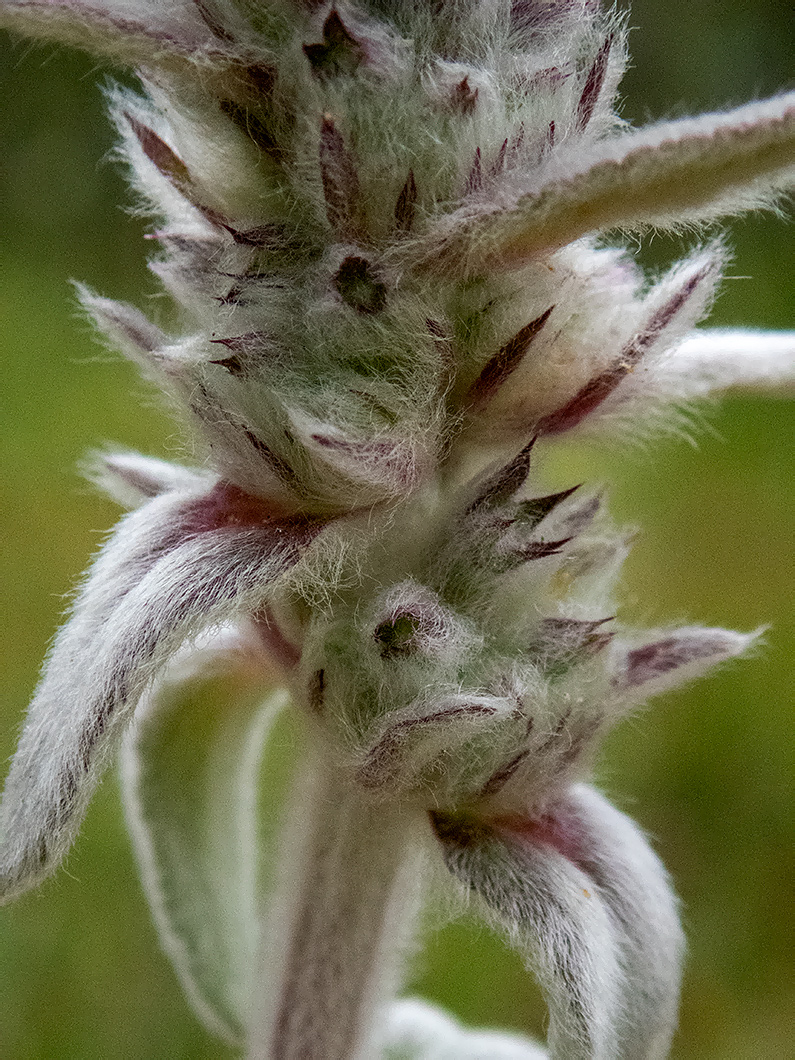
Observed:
{"x":347,"y":901}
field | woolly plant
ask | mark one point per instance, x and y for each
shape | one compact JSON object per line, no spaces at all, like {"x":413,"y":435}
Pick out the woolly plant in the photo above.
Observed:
{"x":383,"y":224}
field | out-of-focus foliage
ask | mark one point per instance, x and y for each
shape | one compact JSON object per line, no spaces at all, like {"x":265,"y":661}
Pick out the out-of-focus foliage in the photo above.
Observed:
{"x":708,"y":772}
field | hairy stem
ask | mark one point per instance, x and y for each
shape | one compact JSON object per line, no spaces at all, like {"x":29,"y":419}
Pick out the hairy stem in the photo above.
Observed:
{"x":347,"y":897}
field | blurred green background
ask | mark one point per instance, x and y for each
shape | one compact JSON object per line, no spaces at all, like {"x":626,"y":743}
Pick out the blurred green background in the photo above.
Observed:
{"x":709,"y":772}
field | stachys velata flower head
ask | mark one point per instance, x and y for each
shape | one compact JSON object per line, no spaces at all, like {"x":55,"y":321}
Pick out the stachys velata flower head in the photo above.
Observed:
{"x":384,"y":225}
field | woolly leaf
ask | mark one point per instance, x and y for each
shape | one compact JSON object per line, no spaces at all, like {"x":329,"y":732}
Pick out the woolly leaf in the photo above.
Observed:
{"x":340,"y":180}
{"x":513,"y":557}
{"x":189,"y":770}
{"x":503,"y":484}
{"x":579,"y":892}
{"x":666,"y":175}
{"x":371,"y":468}
{"x":160,"y":154}
{"x":410,"y":744}
{"x":340,"y":52}
{"x":528,"y":514}
{"x":241,"y":347}
{"x":474,"y":181}
{"x":405,"y":207}
{"x":464,"y":97}
{"x":597,"y":390}
{"x":170,"y":165}
{"x":593,"y":85}
{"x":561,"y":642}
{"x":126,"y":328}
{"x":213,"y":21}
{"x":144,"y":32}
{"x":724,"y":358}
{"x":179,"y":563}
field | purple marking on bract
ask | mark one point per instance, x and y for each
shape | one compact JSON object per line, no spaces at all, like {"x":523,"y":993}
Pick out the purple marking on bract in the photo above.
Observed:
{"x":405,"y":205}
{"x":502,"y":485}
{"x":661,"y":657}
{"x":593,"y":85}
{"x":380,"y":762}
{"x":212,"y":22}
{"x":339,"y":177}
{"x":506,"y":360}
{"x":464,"y":98}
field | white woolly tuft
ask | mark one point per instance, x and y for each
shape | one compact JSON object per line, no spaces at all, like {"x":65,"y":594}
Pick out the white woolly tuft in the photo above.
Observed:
{"x":669,"y":175}
{"x":415,"y":1030}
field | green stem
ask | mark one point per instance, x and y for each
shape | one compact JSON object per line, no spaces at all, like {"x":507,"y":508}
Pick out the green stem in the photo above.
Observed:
{"x":347,"y":899}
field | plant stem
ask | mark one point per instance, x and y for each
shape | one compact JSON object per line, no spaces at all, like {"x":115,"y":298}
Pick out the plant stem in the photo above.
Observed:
{"x":347,"y":898}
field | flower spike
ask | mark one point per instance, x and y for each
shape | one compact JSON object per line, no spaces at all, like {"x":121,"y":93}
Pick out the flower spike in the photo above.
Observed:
{"x":381,"y":224}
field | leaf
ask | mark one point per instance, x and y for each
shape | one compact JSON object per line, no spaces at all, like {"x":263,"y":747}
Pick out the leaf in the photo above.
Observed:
{"x":528,"y":514}
{"x":340,"y":180}
{"x":593,"y":85}
{"x":728,"y":359}
{"x":577,"y":890}
{"x":178,"y":564}
{"x":686,"y":289}
{"x":213,"y":21}
{"x":126,"y":329}
{"x":339,"y":54}
{"x":411,"y":744}
{"x":131,"y":479}
{"x":562,"y":642}
{"x":405,"y":207}
{"x":504,"y":483}
{"x":667,"y":175}
{"x":147,"y":32}
{"x":189,"y":770}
